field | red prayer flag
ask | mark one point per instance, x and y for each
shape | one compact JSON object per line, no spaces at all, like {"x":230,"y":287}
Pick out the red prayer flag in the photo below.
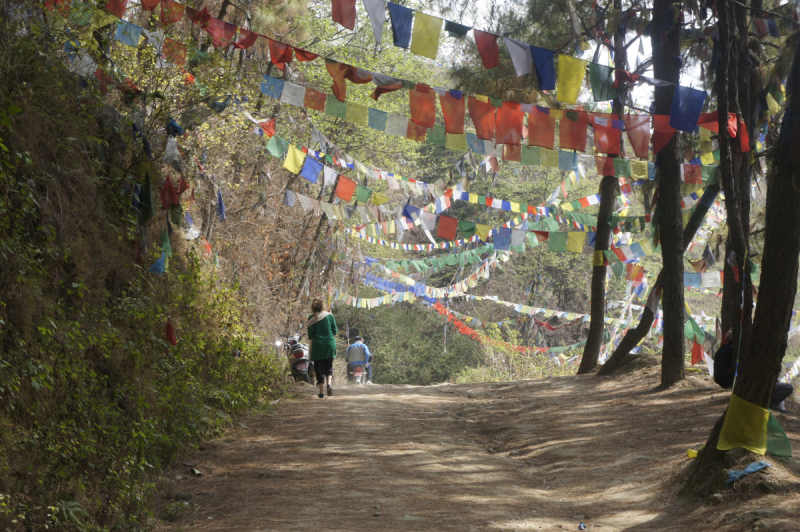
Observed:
{"x":315,"y":100}
{"x":572,"y":133}
{"x":493,"y":163}
{"x":222,"y":33}
{"x":304,"y":55}
{"x":269,"y":127}
{"x":345,"y":188}
{"x":337,"y":72}
{"x":638,"y":128}
{"x":541,"y":129}
{"x":246,"y":39}
{"x":607,"y":139}
{"x":483,"y":115}
{"x":487,"y":47}
{"x":662,"y":133}
{"x":183,"y":186}
{"x":447,"y":227}
{"x":509,"y":123}
{"x":422,"y":102}
{"x":169,"y":191}
{"x":605,"y":165}
{"x":117,"y":7}
{"x":279,"y":53}
{"x":170,"y":333}
{"x":357,"y":75}
{"x":698,"y":353}
{"x":171,"y":12}
{"x":201,"y":18}
{"x":416,"y":132}
{"x":103,"y":79}
{"x":453,"y":110}
{"x":744,"y":138}
{"x":541,"y":236}
{"x":512,"y":152}
{"x":344,"y":12}
{"x":693,"y":174}
{"x":174,"y":51}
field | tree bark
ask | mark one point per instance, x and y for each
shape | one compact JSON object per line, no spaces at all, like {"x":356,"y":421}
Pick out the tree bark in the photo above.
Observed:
{"x":608,"y":187}
{"x":636,"y":335}
{"x":666,"y":48}
{"x":759,"y":367}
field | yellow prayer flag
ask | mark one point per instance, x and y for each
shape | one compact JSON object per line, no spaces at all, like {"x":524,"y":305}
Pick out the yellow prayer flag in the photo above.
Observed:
{"x":425,"y":37}
{"x":379,"y":199}
{"x":707,"y":159}
{"x":294,"y":160}
{"x":598,"y":259}
{"x":571,"y":72}
{"x":639,"y":169}
{"x":514,"y":206}
{"x":774,"y":107}
{"x":549,"y":158}
{"x":456,"y":142}
{"x":482,"y":231}
{"x":482,"y":98}
{"x":357,"y":114}
{"x":646,"y":247}
{"x":473,"y":198}
{"x":575,"y":241}
{"x":557,"y":114}
{"x":567,"y":207}
{"x":745,"y":426}
{"x":392,"y":227}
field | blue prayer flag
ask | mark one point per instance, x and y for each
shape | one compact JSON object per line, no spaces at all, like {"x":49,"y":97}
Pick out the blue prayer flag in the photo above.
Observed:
{"x":311,"y":169}
{"x":401,"y":18}
{"x":687,"y":104}
{"x":220,"y":206}
{"x":567,"y":160}
{"x":272,"y":87}
{"x":475,"y":144}
{"x":158,"y":266}
{"x":128,"y":33}
{"x":502,"y":240}
{"x":545,"y":69}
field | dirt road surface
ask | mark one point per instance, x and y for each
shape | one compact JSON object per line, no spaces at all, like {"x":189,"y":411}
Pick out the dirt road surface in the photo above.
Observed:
{"x":529,"y":455}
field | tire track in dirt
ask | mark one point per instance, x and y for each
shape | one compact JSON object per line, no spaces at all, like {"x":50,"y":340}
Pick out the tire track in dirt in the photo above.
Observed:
{"x":533,"y":455}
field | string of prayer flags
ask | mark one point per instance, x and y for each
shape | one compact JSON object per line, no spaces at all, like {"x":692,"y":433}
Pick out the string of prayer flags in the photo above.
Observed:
{"x":571,"y":72}
{"x":344,"y":13}
{"x":345,"y":188}
{"x":294,"y":160}
{"x":400,"y":17}
{"x":425,"y":38}
{"x":487,"y":47}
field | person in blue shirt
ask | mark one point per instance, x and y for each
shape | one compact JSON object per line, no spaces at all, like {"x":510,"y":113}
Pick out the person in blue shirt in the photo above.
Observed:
{"x":358,"y":352}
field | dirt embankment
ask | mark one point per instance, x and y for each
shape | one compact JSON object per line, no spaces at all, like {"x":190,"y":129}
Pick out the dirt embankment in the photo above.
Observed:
{"x":531,"y":455}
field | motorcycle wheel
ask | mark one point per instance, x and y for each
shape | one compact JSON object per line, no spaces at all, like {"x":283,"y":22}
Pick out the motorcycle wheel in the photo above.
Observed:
{"x":308,"y":379}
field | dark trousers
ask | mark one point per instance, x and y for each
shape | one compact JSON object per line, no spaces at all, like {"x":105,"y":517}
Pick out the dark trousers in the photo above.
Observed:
{"x":781,"y":391}
{"x":323,"y":367}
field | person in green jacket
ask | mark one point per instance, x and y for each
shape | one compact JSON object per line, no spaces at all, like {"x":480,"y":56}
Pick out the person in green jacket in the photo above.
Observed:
{"x":322,"y":331}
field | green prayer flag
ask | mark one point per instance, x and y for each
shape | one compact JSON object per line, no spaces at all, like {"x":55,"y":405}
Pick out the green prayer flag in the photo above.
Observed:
{"x":710,"y":175}
{"x":455,"y":29}
{"x":166,"y":247}
{"x":558,"y":242}
{"x":277,"y":146}
{"x":363,"y":194}
{"x":146,"y":211}
{"x":334,"y":107}
{"x":777,"y":442}
{"x":622,"y":167}
{"x":530,"y":156}
{"x":497,"y":102}
{"x":436,"y":136}
{"x":467,"y":228}
{"x":693,"y":332}
{"x":618,"y":268}
{"x":601,"y":79}
{"x":377,"y":119}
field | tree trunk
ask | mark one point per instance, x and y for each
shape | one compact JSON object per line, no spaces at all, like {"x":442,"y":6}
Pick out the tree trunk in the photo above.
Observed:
{"x":594,"y":341}
{"x":760,"y":366}
{"x":665,"y":67}
{"x":608,"y":187}
{"x":634,"y":336}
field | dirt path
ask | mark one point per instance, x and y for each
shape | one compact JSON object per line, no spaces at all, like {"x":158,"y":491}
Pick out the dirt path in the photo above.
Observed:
{"x":532,"y":455}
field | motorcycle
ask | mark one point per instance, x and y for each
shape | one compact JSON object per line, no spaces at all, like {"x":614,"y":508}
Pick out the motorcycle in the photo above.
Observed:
{"x":357,"y":372}
{"x":300,"y":367}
